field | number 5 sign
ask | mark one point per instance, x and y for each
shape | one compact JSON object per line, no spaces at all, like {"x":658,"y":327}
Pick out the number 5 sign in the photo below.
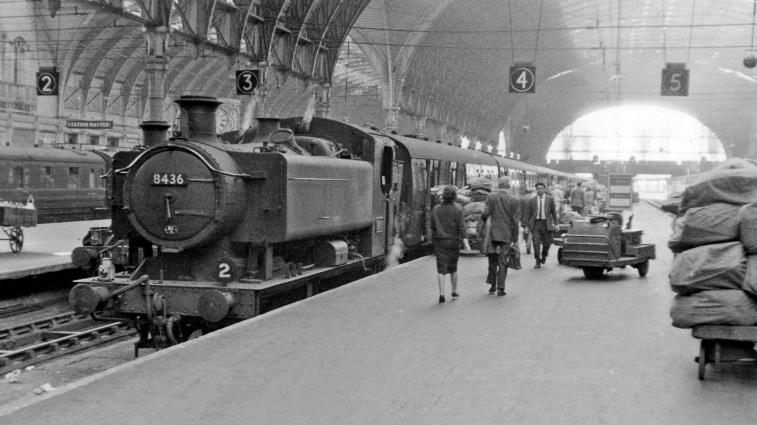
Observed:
{"x":523,"y":78}
{"x":675,"y":80}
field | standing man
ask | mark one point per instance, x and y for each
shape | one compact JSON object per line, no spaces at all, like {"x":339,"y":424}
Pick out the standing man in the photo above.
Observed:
{"x":577,"y":198}
{"x":524,"y":202}
{"x":557,"y":196}
{"x":542,"y":220}
{"x":504,"y":210}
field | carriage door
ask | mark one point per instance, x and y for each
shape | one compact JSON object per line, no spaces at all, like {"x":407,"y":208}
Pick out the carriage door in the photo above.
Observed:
{"x":390,"y":188}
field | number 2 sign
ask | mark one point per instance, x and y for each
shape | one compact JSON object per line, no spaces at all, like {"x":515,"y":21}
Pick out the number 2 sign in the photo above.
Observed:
{"x":47,"y":82}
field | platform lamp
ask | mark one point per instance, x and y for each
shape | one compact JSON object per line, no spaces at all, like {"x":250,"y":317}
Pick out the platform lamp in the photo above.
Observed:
{"x":750,"y":58}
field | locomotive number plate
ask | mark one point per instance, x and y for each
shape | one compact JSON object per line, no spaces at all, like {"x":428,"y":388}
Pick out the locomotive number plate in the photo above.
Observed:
{"x":169,"y":179}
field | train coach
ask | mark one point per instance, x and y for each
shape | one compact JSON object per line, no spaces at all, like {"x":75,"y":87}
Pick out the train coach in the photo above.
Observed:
{"x":66,"y":184}
{"x":216,"y":230}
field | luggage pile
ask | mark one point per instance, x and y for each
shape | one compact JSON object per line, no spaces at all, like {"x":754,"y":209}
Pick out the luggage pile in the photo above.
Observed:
{"x":714,"y":272}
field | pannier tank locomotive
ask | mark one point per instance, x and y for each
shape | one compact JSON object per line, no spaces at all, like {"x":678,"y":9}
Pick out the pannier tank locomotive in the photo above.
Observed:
{"x":211,"y":227}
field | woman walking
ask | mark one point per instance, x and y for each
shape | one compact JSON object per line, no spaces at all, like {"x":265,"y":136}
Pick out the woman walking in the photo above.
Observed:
{"x":447,"y":228}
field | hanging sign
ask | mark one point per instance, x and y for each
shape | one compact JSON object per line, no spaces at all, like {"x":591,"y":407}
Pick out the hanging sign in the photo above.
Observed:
{"x":523,"y":78}
{"x":47,"y":81}
{"x":247,"y":80}
{"x":675,"y":80}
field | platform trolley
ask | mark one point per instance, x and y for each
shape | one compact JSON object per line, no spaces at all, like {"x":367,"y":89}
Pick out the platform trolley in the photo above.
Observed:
{"x":14,"y":216}
{"x":724,"y":343}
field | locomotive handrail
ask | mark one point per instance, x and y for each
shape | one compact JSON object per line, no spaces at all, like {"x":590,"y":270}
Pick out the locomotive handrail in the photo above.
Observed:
{"x":212,"y":169}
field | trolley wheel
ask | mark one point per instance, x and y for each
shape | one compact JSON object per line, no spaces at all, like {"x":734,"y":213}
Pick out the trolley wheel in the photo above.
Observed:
{"x":593,"y":272}
{"x":702,"y":360}
{"x":16,"y":239}
{"x":643,"y":268}
{"x":560,"y":256}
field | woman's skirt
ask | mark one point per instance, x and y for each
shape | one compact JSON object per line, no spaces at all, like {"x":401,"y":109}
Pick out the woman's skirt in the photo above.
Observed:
{"x":447,"y":252}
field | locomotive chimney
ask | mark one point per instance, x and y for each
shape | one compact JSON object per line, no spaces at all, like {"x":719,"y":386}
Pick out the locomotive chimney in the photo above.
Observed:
{"x":266,"y":126}
{"x":198,"y":117}
{"x":154,"y":132}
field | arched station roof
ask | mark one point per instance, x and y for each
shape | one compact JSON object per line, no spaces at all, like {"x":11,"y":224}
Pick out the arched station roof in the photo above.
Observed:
{"x":445,"y":60}
{"x":451,"y":62}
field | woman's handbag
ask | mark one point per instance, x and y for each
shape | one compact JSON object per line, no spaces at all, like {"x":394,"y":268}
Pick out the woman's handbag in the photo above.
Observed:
{"x":513,"y":259}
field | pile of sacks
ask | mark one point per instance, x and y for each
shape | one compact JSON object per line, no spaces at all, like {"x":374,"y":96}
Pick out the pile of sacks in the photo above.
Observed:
{"x":478,"y":190}
{"x":714,"y":270}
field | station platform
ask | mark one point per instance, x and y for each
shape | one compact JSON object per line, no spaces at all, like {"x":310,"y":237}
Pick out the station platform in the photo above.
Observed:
{"x":47,"y":248}
{"x":558,"y":349}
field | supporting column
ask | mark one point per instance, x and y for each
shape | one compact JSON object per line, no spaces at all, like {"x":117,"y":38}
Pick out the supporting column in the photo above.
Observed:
{"x":390,"y":122}
{"x":323,"y":101}
{"x":420,"y":126}
{"x":156,"y":38}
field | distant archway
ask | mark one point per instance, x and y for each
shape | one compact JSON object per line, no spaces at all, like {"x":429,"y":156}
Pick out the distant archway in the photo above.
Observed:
{"x":636,"y":133}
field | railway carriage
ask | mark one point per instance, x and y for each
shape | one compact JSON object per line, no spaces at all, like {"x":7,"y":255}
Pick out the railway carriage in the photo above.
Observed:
{"x":64,"y":183}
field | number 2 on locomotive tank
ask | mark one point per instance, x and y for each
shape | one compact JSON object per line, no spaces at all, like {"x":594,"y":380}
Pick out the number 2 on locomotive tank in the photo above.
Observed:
{"x":288,"y":212}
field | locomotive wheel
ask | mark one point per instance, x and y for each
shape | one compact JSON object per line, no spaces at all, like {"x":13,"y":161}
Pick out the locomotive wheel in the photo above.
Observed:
{"x":643,"y":268}
{"x":592,"y":273}
{"x":16,"y":239}
{"x":560,"y":256}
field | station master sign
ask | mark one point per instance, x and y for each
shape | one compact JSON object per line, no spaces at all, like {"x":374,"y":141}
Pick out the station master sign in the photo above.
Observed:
{"x":523,"y":78}
{"x":675,"y":80}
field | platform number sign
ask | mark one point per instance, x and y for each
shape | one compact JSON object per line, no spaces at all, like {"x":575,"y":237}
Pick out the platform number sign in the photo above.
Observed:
{"x":247,"y":80}
{"x":675,"y":80}
{"x":523,"y":78}
{"x":47,"y":82}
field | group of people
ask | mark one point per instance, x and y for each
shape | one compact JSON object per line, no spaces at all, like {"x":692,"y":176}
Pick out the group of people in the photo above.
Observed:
{"x":584,"y":200}
{"x":503,"y":215}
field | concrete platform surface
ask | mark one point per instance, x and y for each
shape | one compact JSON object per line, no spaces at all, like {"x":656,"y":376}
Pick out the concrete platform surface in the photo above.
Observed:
{"x":47,"y":248}
{"x":558,"y":349}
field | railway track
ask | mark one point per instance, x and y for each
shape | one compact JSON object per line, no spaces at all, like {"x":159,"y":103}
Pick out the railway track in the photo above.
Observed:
{"x":41,"y":340}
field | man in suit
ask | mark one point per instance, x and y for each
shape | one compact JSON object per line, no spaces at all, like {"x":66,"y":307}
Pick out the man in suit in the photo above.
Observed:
{"x":504,"y":211}
{"x":542,"y":221}
{"x":524,"y":205}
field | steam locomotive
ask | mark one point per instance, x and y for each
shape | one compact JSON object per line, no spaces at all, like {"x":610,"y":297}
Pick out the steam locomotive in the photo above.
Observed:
{"x":216,"y":230}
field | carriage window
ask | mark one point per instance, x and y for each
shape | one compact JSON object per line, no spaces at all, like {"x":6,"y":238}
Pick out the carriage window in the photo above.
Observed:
{"x":46,"y":176}
{"x":91,"y":177}
{"x":419,"y":174}
{"x":445,"y":174}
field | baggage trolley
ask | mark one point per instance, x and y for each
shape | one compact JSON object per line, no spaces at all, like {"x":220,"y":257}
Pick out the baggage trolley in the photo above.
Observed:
{"x":14,"y":216}
{"x":724,"y":343}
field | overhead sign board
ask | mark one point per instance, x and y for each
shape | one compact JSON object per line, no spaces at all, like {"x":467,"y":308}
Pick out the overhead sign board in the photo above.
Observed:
{"x":619,"y":191}
{"x":675,"y":80}
{"x":47,"y":81}
{"x":523,"y":78}
{"x":89,"y":124}
{"x":247,"y":80}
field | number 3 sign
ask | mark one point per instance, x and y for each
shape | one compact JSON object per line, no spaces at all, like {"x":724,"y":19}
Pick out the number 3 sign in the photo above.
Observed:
{"x":247,"y":80}
{"x":675,"y":80}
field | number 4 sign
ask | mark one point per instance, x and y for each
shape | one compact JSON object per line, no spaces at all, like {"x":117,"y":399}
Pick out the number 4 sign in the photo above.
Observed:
{"x":523,"y":78}
{"x":675,"y":80}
